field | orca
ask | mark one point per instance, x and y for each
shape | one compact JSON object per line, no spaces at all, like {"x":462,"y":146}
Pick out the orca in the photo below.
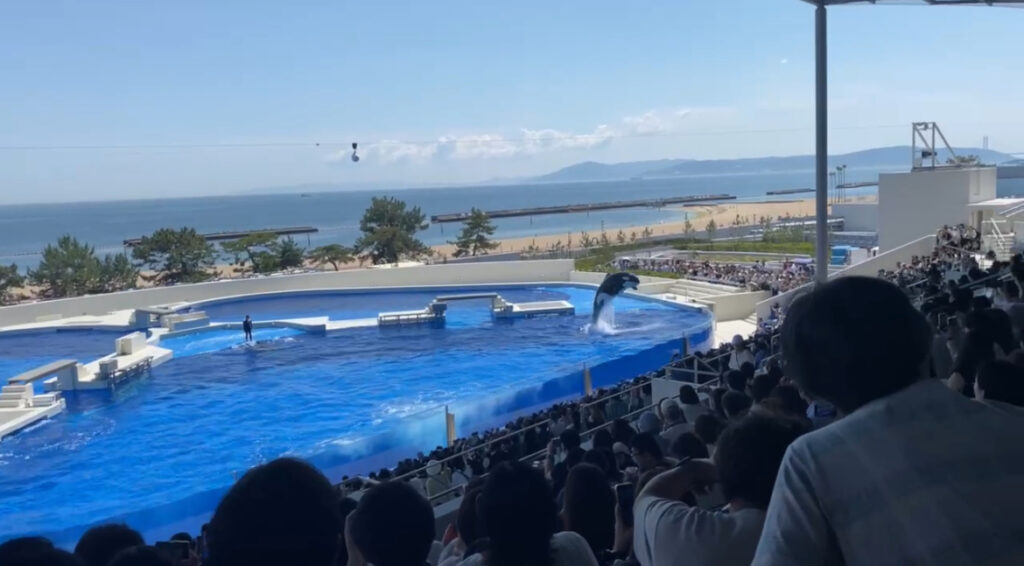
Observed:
{"x":614,"y":284}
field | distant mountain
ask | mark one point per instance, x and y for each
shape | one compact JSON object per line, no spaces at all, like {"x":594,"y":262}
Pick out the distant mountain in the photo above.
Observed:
{"x":881,"y":157}
{"x":594,"y":171}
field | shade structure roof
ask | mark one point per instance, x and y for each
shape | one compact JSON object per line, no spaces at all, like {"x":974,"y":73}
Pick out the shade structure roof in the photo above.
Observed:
{"x":1002,"y":3}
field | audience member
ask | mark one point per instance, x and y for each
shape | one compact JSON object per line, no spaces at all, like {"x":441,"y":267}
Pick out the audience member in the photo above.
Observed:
{"x":467,"y":530}
{"x":392,"y":526}
{"x":688,"y":445}
{"x":708,"y":428}
{"x":736,"y":381}
{"x":283,"y":512}
{"x":741,"y":353}
{"x":35,"y":551}
{"x":761,"y":387}
{"x":859,"y":343}
{"x":716,"y":401}
{"x":346,"y":505}
{"x":736,"y":405}
{"x":99,"y":545}
{"x":141,"y":556}
{"x":520,"y":520}
{"x":746,"y":461}
{"x":589,"y":508}
{"x":675,"y":423}
{"x":692,"y":407}
{"x":646,"y":452}
{"x":1000,"y":384}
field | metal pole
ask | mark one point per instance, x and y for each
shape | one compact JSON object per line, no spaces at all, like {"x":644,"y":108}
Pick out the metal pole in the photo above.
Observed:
{"x":821,"y":139}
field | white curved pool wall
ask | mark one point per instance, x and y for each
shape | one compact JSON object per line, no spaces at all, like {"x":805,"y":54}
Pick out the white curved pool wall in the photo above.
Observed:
{"x":540,"y":271}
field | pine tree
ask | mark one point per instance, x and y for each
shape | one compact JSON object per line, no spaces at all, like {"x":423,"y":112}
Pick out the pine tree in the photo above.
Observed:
{"x":475,"y":236}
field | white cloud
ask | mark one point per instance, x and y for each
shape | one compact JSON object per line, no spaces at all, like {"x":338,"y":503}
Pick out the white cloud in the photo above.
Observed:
{"x":528,"y":142}
{"x":784,"y":61}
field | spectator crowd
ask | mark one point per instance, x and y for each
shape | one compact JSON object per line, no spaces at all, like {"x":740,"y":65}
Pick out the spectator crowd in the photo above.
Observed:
{"x":777,"y":277}
{"x":891,"y":434}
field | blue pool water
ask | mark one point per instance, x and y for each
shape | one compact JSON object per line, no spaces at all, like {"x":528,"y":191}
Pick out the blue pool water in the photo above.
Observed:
{"x":160,"y":452}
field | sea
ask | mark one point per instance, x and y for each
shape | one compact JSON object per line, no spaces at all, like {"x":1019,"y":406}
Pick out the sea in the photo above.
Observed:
{"x":26,"y":229}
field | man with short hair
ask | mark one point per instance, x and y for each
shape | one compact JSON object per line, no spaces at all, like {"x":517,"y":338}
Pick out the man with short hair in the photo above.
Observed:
{"x":668,"y":531}
{"x":392,"y":526}
{"x":646,"y":452}
{"x":914,"y":473}
{"x":100,"y":544}
{"x":675,"y":423}
{"x":283,"y":512}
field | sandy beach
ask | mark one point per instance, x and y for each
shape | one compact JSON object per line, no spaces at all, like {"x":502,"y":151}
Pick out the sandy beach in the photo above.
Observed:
{"x":723,"y":214}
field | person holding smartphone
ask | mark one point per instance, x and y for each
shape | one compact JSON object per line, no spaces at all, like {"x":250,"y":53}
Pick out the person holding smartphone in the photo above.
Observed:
{"x":746,"y":461}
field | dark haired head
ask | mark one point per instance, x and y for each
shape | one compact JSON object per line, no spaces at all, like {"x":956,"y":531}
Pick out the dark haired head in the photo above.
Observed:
{"x":708,"y":428}
{"x":27,"y":551}
{"x":645,"y":450}
{"x":467,"y":521}
{"x":748,"y":456}
{"x":1000,"y":381}
{"x":390,"y":513}
{"x":518,"y":515}
{"x":736,"y":380}
{"x":716,"y":401}
{"x":761,"y":387}
{"x":603,"y":439}
{"x":140,"y":556}
{"x":100,"y":544}
{"x":736,"y":404}
{"x":282,"y":512}
{"x":622,"y":431}
{"x":688,"y":445}
{"x":854,"y":340}
{"x":603,"y":459}
{"x":346,"y":505}
{"x":590,"y":507}
{"x":790,"y":401}
{"x":688,"y":395}
{"x":747,"y":369}
{"x":570,"y":438}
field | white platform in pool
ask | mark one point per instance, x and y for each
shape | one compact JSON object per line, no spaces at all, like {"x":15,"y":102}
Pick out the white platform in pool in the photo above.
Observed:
{"x":536,"y":308}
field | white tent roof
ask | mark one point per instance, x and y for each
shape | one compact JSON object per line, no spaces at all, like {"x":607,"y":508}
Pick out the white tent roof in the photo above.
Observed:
{"x":1004,"y":3}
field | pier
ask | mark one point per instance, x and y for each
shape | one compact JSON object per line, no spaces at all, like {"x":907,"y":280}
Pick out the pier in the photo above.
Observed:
{"x":789,"y":191}
{"x":217,"y":236}
{"x":571,"y":208}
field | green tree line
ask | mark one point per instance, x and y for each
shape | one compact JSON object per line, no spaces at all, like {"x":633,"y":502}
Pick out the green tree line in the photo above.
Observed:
{"x":170,"y":256}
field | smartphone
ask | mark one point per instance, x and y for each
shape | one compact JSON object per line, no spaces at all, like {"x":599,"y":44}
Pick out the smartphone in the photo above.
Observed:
{"x":625,"y":493}
{"x":943,"y":321}
{"x":174,"y":550}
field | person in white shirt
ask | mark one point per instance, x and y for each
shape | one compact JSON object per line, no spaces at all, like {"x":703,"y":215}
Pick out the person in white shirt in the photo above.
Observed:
{"x":740,"y":353}
{"x":517,"y":511}
{"x":667,"y":531}
{"x":914,"y":473}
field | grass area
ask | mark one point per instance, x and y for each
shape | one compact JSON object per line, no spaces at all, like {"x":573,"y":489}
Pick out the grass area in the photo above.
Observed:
{"x":598,"y":259}
{"x":796,"y":247}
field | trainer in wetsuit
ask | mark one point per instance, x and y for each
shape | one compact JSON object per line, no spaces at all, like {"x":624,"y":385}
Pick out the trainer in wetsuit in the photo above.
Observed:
{"x":247,"y":327}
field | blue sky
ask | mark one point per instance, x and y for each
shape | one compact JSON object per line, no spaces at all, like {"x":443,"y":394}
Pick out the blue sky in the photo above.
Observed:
{"x":461,"y":91}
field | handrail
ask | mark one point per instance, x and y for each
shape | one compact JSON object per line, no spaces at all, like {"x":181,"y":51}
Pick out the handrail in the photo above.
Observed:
{"x":534,"y":456}
{"x":482,"y":445}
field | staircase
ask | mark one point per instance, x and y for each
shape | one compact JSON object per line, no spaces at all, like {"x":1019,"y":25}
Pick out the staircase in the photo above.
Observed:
{"x":15,"y":396}
{"x":752,"y":319}
{"x":999,"y":239}
{"x":689,"y":289}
